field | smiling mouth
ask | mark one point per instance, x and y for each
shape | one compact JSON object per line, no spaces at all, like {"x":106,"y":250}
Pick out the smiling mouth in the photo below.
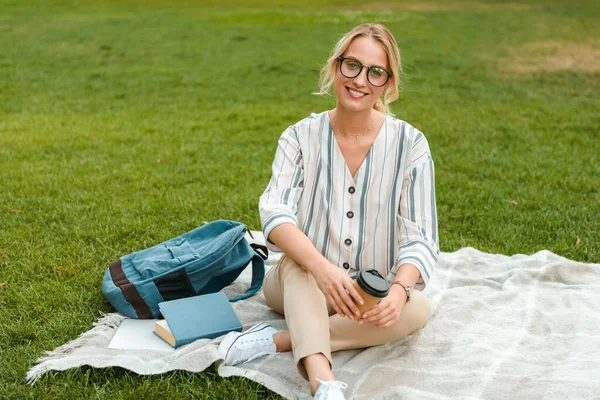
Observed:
{"x":355,"y":93}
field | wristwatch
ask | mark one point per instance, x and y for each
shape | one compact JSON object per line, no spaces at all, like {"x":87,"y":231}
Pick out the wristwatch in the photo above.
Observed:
{"x":407,"y":288}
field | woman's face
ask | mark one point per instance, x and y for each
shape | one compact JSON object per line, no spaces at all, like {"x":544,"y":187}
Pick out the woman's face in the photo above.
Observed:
{"x":357,"y":94}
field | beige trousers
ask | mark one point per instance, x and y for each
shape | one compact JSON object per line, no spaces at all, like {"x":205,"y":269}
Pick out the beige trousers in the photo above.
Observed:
{"x":315,"y":327}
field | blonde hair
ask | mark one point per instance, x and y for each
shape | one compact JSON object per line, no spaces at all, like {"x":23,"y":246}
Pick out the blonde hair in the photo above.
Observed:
{"x":382,"y":35}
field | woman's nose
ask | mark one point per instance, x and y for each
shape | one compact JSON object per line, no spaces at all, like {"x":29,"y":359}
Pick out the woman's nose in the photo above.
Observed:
{"x":361,"y":79}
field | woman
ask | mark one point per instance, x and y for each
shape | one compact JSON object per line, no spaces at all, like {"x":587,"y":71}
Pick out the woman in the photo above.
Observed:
{"x":351,"y":188}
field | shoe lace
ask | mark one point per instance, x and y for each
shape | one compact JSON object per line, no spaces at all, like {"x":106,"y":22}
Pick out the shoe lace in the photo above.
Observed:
{"x":259,"y":343}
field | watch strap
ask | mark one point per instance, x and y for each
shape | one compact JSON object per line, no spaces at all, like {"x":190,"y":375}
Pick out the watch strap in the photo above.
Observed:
{"x":406,"y":288}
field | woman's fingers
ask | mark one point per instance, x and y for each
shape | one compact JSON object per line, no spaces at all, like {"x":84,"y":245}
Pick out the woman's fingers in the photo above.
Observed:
{"x":346,"y":296}
{"x":377,"y":313}
{"x":354,"y":295}
{"x":388,"y":316}
{"x":386,"y":325}
{"x":340,"y":292}
{"x":387,"y":320}
{"x":373,"y":313}
{"x":333,"y":304}
{"x":342,"y":305}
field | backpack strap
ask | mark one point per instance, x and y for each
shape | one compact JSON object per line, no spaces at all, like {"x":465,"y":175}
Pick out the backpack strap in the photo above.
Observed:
{"x":258,"y":274}
{"x":261,"y":249}
{"x":130,"y":293}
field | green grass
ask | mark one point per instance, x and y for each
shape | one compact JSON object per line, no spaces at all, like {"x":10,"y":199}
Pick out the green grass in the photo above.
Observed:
{"x":126,"y":123}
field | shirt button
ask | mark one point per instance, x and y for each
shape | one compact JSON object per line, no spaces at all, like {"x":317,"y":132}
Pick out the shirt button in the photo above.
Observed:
{"x":351,"y":189}
{"x":346,"y":265}
{"x":349,"y":214}
{"x":348,"y":242}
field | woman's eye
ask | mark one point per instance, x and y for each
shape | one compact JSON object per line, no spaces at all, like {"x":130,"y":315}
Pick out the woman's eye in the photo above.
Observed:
{"x":376,"y":72}
{"x":352,"y":65}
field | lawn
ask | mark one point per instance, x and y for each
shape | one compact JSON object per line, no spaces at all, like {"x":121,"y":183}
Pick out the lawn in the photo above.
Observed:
{"x":126,"y":123}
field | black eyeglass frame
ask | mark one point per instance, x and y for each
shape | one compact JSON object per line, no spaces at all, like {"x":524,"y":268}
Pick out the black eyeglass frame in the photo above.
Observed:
{"x":341,"y":60}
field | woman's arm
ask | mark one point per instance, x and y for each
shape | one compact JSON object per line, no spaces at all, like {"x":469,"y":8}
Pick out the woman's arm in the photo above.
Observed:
{"x":418,"y":249}
{"x":418,"y":242}
{"x":278,"y":208}
{"x":408,"y":274}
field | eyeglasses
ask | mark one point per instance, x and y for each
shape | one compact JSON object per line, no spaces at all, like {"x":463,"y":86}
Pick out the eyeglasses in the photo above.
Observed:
{"x":351,"y":68}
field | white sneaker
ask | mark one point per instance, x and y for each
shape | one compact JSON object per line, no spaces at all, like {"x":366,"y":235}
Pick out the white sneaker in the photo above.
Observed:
{"x":330,"y":390}
{"x":241,"y":347}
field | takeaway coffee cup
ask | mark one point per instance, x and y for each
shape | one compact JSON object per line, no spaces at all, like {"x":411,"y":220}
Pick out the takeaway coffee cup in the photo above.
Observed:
{"x":372,"y":287}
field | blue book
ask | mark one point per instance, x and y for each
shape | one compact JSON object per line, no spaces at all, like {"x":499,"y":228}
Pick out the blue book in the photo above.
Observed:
{"x":199,"y":317}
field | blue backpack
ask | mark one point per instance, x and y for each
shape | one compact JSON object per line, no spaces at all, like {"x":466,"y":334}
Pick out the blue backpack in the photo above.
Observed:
{"x":202,"y":261}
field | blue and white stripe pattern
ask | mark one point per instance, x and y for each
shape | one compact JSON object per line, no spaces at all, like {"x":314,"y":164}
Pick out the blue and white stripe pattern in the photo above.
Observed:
{"x":382,"y":217}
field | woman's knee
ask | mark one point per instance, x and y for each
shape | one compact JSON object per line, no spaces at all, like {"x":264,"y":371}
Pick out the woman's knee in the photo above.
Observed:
{"x":290,"y":268}
{"x":286,"y":273}
{"x":420,"y":311}
{"x":274,"y":302}
{"x":272,"y":290}
{"x":414,"y":316}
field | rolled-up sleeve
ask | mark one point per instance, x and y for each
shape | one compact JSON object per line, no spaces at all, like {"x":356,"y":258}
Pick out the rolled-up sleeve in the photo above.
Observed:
{"x":279,"y":203}
{"x":417,"y":215}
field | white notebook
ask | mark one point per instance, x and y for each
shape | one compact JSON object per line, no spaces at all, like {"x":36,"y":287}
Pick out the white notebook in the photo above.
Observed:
{"x":135,"y":334}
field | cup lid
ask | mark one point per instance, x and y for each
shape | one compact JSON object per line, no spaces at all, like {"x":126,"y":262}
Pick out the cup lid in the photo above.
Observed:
{"x":371,"y":281}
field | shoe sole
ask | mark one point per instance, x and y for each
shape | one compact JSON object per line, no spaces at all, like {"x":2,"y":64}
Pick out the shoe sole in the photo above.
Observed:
{"x":255,"y":328}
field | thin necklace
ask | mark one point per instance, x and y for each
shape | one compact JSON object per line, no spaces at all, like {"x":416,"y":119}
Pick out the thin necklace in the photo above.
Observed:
{"x":349,"y":136}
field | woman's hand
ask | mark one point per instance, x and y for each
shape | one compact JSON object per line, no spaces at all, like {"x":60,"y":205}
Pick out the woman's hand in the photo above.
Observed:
{"x":388,"y":310}
{"x":338,"y":289}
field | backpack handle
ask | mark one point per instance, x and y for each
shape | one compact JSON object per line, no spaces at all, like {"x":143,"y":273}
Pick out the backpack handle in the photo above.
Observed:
{"x":261,"y":249}
{"x":258,"y":274}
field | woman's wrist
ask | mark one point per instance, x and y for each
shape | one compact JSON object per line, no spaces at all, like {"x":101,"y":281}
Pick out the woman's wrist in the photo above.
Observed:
{"x":399,"y":294}
{"x":317,"y":263}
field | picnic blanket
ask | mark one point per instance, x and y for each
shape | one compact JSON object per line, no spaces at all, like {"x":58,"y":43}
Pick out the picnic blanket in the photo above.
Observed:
{"x":521,"y":326}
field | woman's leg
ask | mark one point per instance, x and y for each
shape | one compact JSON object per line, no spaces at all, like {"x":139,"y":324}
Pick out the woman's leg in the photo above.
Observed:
{"x":314,"y":361}
{"x":347,"y":334}
{"x":293,"y":292}
{"x":274,"y":297}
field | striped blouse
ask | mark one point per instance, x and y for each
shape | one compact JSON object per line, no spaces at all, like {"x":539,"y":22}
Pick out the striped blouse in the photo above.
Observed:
{"x":382,"y":217}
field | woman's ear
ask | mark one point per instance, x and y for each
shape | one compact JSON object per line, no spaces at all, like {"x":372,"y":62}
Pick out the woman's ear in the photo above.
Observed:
{"x":390,"y":82}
